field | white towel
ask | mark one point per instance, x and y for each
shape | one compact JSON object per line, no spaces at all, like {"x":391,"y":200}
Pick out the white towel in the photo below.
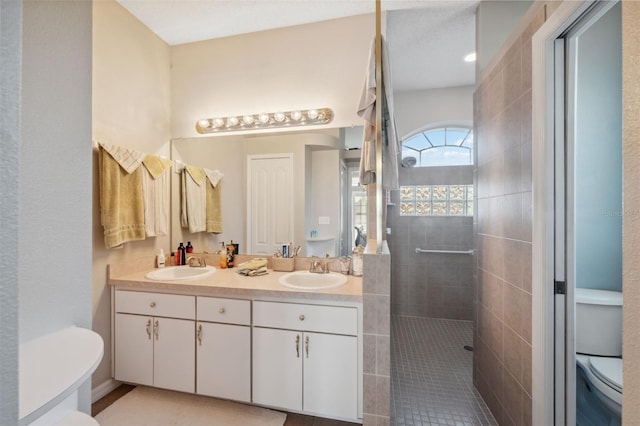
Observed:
{"x":214,"y":176}
{"x":128,"y":159}
{"x":195,"y":199}
{"x":391,"y":146}
{"x":367,"y":110}
{"x":155,"y":190}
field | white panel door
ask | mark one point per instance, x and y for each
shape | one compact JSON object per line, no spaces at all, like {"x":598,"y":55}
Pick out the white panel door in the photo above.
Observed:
{"x":269,"y":202}
{"x":331,"y":375}
{"x":224,"y":361}
{"x":174,"y":354}
{"x":134,"y":349}
{"x":277,"y":368}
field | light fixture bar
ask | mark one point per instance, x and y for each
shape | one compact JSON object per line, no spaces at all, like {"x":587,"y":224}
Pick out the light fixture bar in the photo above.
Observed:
{"x":265,"y":120}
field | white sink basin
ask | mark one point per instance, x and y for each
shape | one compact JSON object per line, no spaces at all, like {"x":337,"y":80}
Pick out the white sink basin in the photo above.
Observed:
{"x":174,"y":273}
{"x":311,"y":281}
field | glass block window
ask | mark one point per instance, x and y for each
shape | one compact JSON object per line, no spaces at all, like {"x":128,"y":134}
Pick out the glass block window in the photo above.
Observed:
{"x":447,"y":146}
{"x":436,"y":200}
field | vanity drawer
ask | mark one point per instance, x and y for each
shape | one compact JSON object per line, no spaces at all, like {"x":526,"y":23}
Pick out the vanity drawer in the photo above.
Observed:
{"x":230,"y":311}
{"x":156,"y":304}
{"x":295,"y":316}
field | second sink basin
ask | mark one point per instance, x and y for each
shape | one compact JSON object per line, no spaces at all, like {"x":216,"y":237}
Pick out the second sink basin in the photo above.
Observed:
{"x":311,"y":281}
{"x":175,"y":273}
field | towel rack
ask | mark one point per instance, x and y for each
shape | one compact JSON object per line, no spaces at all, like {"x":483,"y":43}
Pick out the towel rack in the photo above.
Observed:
{"x":469,"y":252}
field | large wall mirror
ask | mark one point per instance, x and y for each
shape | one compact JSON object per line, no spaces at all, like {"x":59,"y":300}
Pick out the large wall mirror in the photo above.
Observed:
{"x":278,"y":188}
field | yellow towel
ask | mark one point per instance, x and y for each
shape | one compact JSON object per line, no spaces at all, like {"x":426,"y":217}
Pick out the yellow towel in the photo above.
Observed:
{"x":156,"y":165}
{"x":197,"y":174}
{"x":253,"y":264}
{"x":121,"y":204}
{"x":214,"y":208}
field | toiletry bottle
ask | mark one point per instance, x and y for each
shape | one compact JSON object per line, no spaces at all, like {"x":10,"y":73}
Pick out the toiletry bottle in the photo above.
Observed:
{"x":230,"y":254}
{"x":179,"y":254}
{"x":172,"y":260}
{"x":189,"y":247}
{"x":160,"y":260}
{"x":223,"y":256}
{"x":183,"y":254}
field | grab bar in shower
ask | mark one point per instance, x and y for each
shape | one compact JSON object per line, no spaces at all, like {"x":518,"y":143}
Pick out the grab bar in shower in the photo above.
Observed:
{"x":419,"y":250}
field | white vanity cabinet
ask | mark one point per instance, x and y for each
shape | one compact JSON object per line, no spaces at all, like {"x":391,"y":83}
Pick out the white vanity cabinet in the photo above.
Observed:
{"x":223,"y":361}
{"x":155,"y":339}
{"x":305,"y":358}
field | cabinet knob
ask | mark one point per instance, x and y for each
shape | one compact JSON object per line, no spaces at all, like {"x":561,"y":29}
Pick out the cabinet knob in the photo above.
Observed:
{"x":221,"y":311}
{"x":152,"y":304}
{"x":301,"y":317}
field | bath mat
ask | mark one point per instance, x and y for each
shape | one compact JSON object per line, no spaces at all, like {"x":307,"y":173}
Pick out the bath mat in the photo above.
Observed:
{"x":145,"y":406}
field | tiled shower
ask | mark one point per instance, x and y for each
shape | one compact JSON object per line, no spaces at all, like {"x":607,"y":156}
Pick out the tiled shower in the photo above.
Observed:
{"x":432,"y":285}
{"x":432,"y":299}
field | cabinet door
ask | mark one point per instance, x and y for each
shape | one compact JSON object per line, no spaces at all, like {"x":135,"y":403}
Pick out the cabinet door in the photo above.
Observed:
{"x":224,"y":361}
{"x":134,"y":349}
{"x":331,"y":375}
{"x":174,"y":354}
{"x":277,"y":368}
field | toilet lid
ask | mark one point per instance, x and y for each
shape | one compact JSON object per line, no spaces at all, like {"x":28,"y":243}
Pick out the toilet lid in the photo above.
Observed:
{"x":609,"y":370}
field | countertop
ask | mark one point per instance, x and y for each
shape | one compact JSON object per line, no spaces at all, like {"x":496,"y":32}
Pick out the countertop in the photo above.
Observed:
{"x":228,"y":283}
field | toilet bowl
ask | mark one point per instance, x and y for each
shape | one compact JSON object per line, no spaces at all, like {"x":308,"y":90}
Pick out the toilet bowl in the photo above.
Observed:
{"x":598,"y":357}
{"x":604,"y":377}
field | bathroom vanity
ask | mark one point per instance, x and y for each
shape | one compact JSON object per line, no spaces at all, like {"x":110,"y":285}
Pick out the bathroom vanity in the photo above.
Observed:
{"x":247,"y":339}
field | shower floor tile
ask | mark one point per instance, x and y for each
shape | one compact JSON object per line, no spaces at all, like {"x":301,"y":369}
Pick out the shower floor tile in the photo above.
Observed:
{"x":432,"y":376}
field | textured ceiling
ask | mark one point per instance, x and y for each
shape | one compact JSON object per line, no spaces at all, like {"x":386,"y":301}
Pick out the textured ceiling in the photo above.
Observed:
{"x":427,"y":39}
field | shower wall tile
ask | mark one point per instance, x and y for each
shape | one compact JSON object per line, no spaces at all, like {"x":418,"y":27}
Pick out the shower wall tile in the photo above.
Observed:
{"x":502,"y":296}
{"x":377,"y":297}
{"x":431,"y":285}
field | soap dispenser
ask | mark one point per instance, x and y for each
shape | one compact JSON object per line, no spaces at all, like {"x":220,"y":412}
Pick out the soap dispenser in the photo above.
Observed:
{"x":160,"y":261}
{"x":357,"y":261}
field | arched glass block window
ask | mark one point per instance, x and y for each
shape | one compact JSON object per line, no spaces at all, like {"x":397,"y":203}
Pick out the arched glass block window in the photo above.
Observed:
{"x":446,"y":146}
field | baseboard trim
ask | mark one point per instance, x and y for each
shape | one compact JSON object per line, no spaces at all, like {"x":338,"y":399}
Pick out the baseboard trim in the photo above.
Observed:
{"x":103,"y":389}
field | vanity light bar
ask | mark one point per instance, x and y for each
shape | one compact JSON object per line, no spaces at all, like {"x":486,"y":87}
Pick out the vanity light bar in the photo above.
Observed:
{"x":264,"y":120}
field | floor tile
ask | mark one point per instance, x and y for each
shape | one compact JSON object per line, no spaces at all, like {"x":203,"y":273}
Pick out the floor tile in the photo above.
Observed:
{"x":432,"y":376}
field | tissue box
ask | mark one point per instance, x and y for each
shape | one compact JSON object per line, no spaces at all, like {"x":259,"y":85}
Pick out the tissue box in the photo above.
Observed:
{"x":283,"y":264}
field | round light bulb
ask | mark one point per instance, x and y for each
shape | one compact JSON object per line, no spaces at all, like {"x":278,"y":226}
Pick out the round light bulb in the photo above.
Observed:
{"x":279,"y":117}
{"x":248,"y":119}
{"x":296,"y":115}
{"x":218,"y":122}
{"x":312,"y":114}
{"x":232,"y":121}
{"x":263,"y":117}
{"x":204,"y":124}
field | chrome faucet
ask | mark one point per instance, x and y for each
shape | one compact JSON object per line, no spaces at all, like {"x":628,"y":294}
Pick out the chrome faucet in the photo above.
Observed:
{"x":320,"y":266}
{"x":201,"y":262}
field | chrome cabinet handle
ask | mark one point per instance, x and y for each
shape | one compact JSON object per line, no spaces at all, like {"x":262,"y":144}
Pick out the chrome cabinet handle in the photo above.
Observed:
{"x":199,"y":335}
{"x":155,"y":329}
{"x":301,"y":317}
{"x":152,"y":304}
{"x":149,"y":329}
{"x":298,"y":346}
{"x":306,"y":345}
{"x":221,"y":311}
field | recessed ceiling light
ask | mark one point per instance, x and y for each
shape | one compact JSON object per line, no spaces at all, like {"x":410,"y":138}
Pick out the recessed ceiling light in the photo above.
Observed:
{"x":471,"y":57}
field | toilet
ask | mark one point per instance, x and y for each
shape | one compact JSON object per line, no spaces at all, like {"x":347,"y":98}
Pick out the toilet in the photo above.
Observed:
{"x":598,"y":357}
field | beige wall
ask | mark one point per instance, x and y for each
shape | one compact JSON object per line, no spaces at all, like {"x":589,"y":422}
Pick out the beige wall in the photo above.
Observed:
{"x":631,"y":220}
{"x":131,"y":107}
{"x":309,"y":66}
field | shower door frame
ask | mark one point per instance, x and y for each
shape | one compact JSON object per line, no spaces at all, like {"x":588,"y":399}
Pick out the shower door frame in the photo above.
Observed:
{"x":553,"y":396}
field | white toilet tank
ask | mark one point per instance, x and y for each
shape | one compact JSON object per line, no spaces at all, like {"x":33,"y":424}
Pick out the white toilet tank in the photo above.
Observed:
{"x":598,"y":322}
